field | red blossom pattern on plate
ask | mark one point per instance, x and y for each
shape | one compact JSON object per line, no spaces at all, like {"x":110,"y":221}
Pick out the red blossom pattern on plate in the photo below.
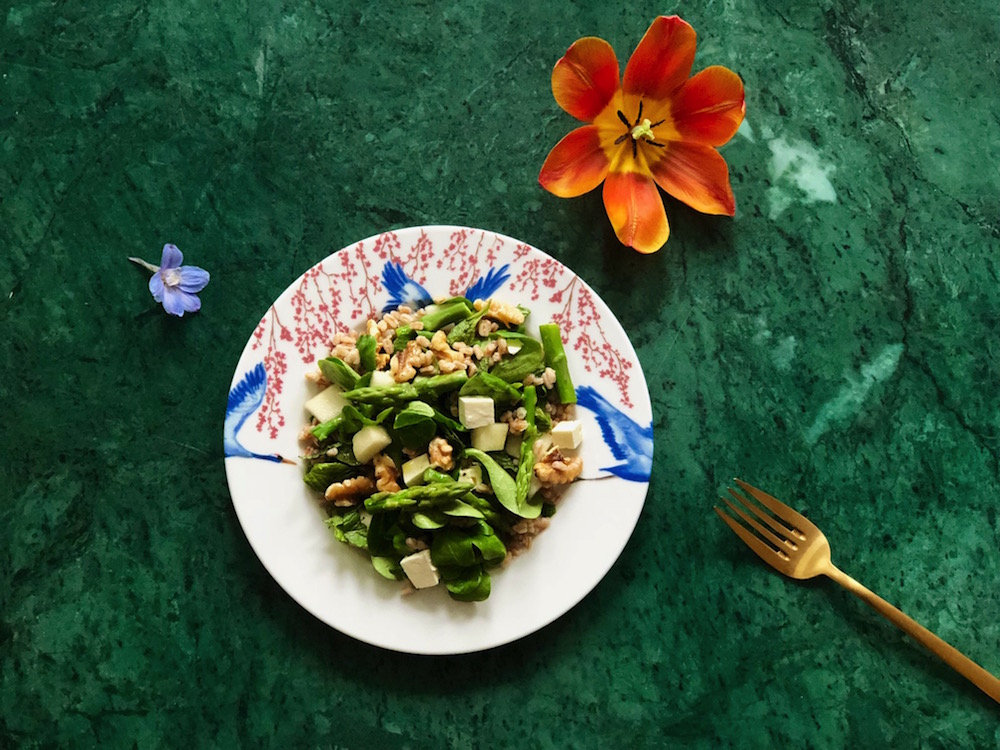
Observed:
{"x":346,"y":288}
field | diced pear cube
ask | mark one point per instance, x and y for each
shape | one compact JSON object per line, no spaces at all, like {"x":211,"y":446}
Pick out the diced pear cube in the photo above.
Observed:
{"x":368,"y":441}
{"x":413,"y":470}
{"x":513,"y":445}
{"x":327,"y":404}
{"x":420,"y":570}
{"x":567,"y":435}
{"x":473,"y":473}
{"x":382,"y":379}
{"x":491,"y":437}
{"x":475,"y":411}
{"x":534,"y":486}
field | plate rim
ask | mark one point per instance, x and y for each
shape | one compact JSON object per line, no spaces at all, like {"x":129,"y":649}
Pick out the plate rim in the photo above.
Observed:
{"x":644,"y":401}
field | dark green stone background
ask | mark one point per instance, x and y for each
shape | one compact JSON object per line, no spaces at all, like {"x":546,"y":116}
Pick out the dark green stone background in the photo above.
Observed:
{"x":837,"y":348}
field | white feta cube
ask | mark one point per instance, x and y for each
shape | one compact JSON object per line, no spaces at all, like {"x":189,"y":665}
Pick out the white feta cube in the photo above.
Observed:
{"x":420,"y":570}
{"x":475,"y":411}
{"x":327,"y":404}
{"x":491,"y":437}
{"x":567,"y":435}
{"x":368,"y":441}
{"x":382,"y":379}
{"x":413,"y":470}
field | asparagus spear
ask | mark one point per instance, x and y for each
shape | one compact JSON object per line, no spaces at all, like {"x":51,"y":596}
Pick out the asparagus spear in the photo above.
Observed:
{"x":432,"y":387}
{"x":429,"y":494}
{"x":555,"y":357}
{"x":449,"y":312}
{"x":526,"y":466}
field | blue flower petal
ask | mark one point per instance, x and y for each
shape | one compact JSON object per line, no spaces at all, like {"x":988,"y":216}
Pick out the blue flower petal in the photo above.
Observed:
{"x":176,"y":302}
{"x":172,"y":257}
{"x":156,"y":286}
{"x":192,"y":303}
{"x":193,"y":279}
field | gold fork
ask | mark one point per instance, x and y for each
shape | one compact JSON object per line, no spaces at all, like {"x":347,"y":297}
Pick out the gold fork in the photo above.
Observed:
{"x":791,"y":544}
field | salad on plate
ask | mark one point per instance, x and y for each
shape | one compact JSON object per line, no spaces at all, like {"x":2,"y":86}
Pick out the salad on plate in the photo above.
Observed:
{"x":441,"y":440}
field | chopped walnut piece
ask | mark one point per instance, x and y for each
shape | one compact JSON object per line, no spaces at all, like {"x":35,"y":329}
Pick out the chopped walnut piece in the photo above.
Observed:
{"x":505,"y":313}
{"x":555,"y":468}
{"x":404,"y":364}
{"x":349,"y":492}
{"x":386,"y":474}
{"x":439,"y":452}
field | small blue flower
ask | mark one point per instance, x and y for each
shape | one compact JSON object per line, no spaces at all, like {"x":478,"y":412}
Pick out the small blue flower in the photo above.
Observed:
{"x":174,"y":285}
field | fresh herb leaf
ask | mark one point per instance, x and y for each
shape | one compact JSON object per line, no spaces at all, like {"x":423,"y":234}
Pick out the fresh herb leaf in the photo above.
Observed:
{"x":349,"y":528}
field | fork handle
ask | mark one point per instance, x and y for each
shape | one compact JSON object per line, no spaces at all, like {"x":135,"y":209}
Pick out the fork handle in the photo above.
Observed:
{"x":948,"y":653}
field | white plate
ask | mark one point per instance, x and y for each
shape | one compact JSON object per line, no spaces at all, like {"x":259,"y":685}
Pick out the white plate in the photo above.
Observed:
{"x":281,"y":517}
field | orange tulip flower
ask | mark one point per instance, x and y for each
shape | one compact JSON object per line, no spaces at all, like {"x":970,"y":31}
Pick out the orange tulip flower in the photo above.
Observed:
{"x":657,"y":126}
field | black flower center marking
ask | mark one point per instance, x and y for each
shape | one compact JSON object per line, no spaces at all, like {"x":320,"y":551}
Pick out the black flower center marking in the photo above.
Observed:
{"x":641,"y":128}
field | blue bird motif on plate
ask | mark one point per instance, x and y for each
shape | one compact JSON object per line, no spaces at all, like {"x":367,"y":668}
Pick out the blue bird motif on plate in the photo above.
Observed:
{"x":486,"y":287}
{"x":402,"y":289}
{"x":405,"y":291}
{"x":630,"y":443}
{"x":244,"y":399}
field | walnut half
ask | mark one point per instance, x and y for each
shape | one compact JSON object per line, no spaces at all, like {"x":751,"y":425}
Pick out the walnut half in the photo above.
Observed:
{"x":385,"y":474}
{"x":439,"y":452}
{"x":555,"y":468}
{"x":349,"y":492}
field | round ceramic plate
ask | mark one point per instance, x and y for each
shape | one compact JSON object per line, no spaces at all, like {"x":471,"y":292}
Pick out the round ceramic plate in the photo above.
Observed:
{"x":281,"y":517}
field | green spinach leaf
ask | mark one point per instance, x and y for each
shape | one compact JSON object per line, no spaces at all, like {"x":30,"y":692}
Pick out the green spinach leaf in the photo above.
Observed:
{"x":321,"y":476}
{"x":529,"y":359}
{"x":472,"y":586}
{"x":415,"y":425}
{"x":496,"y":388}
{"x":366,"y":350}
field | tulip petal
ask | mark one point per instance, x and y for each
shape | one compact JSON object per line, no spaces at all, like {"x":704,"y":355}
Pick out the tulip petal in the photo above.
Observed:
{"x":636,"y":211}
{"x":585,"y":79}
{"x":576,"y":165}
{"x":709,"y":108}
{"x":662,"y":61}
{"x":696,"y":175}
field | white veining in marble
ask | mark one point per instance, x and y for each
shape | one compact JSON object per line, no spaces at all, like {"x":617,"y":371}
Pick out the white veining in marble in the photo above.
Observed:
{"x":797,"y":175}
{"x":851,"y":397}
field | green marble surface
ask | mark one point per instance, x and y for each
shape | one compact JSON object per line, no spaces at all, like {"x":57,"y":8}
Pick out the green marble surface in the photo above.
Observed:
{"x":834,"y":343}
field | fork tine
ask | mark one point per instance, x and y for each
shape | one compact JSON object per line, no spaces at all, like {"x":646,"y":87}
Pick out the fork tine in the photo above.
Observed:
{"x":780,"y":528}
{"x":796,"y":520}
{"x":762,"y":530}
{"x":766,"y":553}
